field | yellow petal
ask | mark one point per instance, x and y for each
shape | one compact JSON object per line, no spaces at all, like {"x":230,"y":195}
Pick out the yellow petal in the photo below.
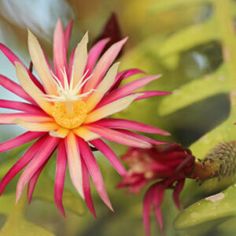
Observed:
{"x":110,"y":108}
{"x":59,"y":133}
{"x":31,"y":88}
{"x":74,"y":163}
{"x":103,"y":87}
{"x":85,"y":134}
{"x":40,"y":64}
{"x":38,"y":127}
{"x":80,"y":60}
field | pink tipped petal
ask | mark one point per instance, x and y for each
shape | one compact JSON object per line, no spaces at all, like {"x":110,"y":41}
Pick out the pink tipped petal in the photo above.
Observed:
{"x":13,"y":118}
{"x":102,"y":88}
{"x":39,"y":127}
{"x":21,"y":163}
{"x":67,"y":34}
{"x":128,"y":89}
{"x":14,"y":88}
{"x":130,"y":125}
{"x":20,"y":106}
{"x":87,"y":190}
{"x":42,"y":156}
{"x":19,"y":140}
{"x":119,"y":137}
{"x":110,"y":109}
{"x":94,"y":171}
{"x":95,"y":53}
{"x":60,"y":177}
{"x":59,"y":50}
{"x":74,"y":163}
{"x":110,"y":155}
{"x":40,"y":64}
{"x":148,"y":94}
{"x":103,"y":64}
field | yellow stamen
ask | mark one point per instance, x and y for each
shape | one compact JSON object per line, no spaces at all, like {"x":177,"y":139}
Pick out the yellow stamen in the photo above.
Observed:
{"x":70,"y":114}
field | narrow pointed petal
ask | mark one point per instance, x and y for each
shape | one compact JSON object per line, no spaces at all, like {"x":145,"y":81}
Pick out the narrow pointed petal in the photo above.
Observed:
{"x":129,"y":88}
{"x":20,"y":106}
{"x":74,"y":163}
{"x":39,"y":127}
{"x":125,"y":74}
{"x":103,"y":64}
{"x":177,"y":190}
{"x":9,"y":54}
{"x":143,"y":138}
{"x":67,"y":34}
{"x":110,"y":109}
{"x":32,"y":183}
{"x":21,"y":163}
{"x":14,"y":88}
{"x":102,"y":88}
{"x":40,"y":64}
{"x":95,"y":53}
{"x":87,"y":191}
{"x":110,"y":155}
{"x":42,"y":156}
{"x":84,"y":133}
{"x":119,"y":137}
{"x":19,"y":140}
{"x":147,"y":203}
{"x":13,"y":118}
{"x":60,"y":177}
{"x":130,"y":125}
{"x":31,"y":89}
{"x":59,"y":50}
{"x":80,"y":61}
{"x":94,"y":171}
{"x":148,"y":94}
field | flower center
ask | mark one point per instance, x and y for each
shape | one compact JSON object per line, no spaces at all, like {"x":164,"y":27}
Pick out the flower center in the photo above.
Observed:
{"x":69,"y":114}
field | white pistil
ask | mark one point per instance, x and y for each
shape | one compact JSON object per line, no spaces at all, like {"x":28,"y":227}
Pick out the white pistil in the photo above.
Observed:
{"x":68,"y":92}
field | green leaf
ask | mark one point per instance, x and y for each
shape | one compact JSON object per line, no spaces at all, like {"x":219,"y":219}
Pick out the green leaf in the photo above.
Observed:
{"x":215,"y":207}
{"x":195,"y":91}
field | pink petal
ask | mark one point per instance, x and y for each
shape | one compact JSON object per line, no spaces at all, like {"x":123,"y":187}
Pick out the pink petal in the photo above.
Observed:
{"x":59,"y":50}
{"x":21,"y":163}
{"x":125,"y":74}
{"x":42,"y":156}
{"x":95,"y":53}
{"x":130,"y":125}
{"x":177,"y":190}
{"x":143,"y":138}
{"x":119,"y":137}
{"x":103,"y":64}
{"x":21,"y":106}
{"x":147,"y":202}
{"x":110,"y":155}
{"x":94,"y":171}
{"x":19,"y":140}
{"x":148,"y":94}
{"x":14,"y":88}
{"x":86,"y":188}
{"x":67,"y":34}
{"x":60,"y":177}
{"x":127,"y":89}
{"x":32,"y":183}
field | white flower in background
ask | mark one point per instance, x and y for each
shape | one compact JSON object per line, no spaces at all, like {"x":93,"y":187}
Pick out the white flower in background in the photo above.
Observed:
{"x":39,"y":16}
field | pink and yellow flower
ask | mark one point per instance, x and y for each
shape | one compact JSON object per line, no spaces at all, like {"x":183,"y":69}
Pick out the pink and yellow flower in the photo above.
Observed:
{"x":66,"y":110}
